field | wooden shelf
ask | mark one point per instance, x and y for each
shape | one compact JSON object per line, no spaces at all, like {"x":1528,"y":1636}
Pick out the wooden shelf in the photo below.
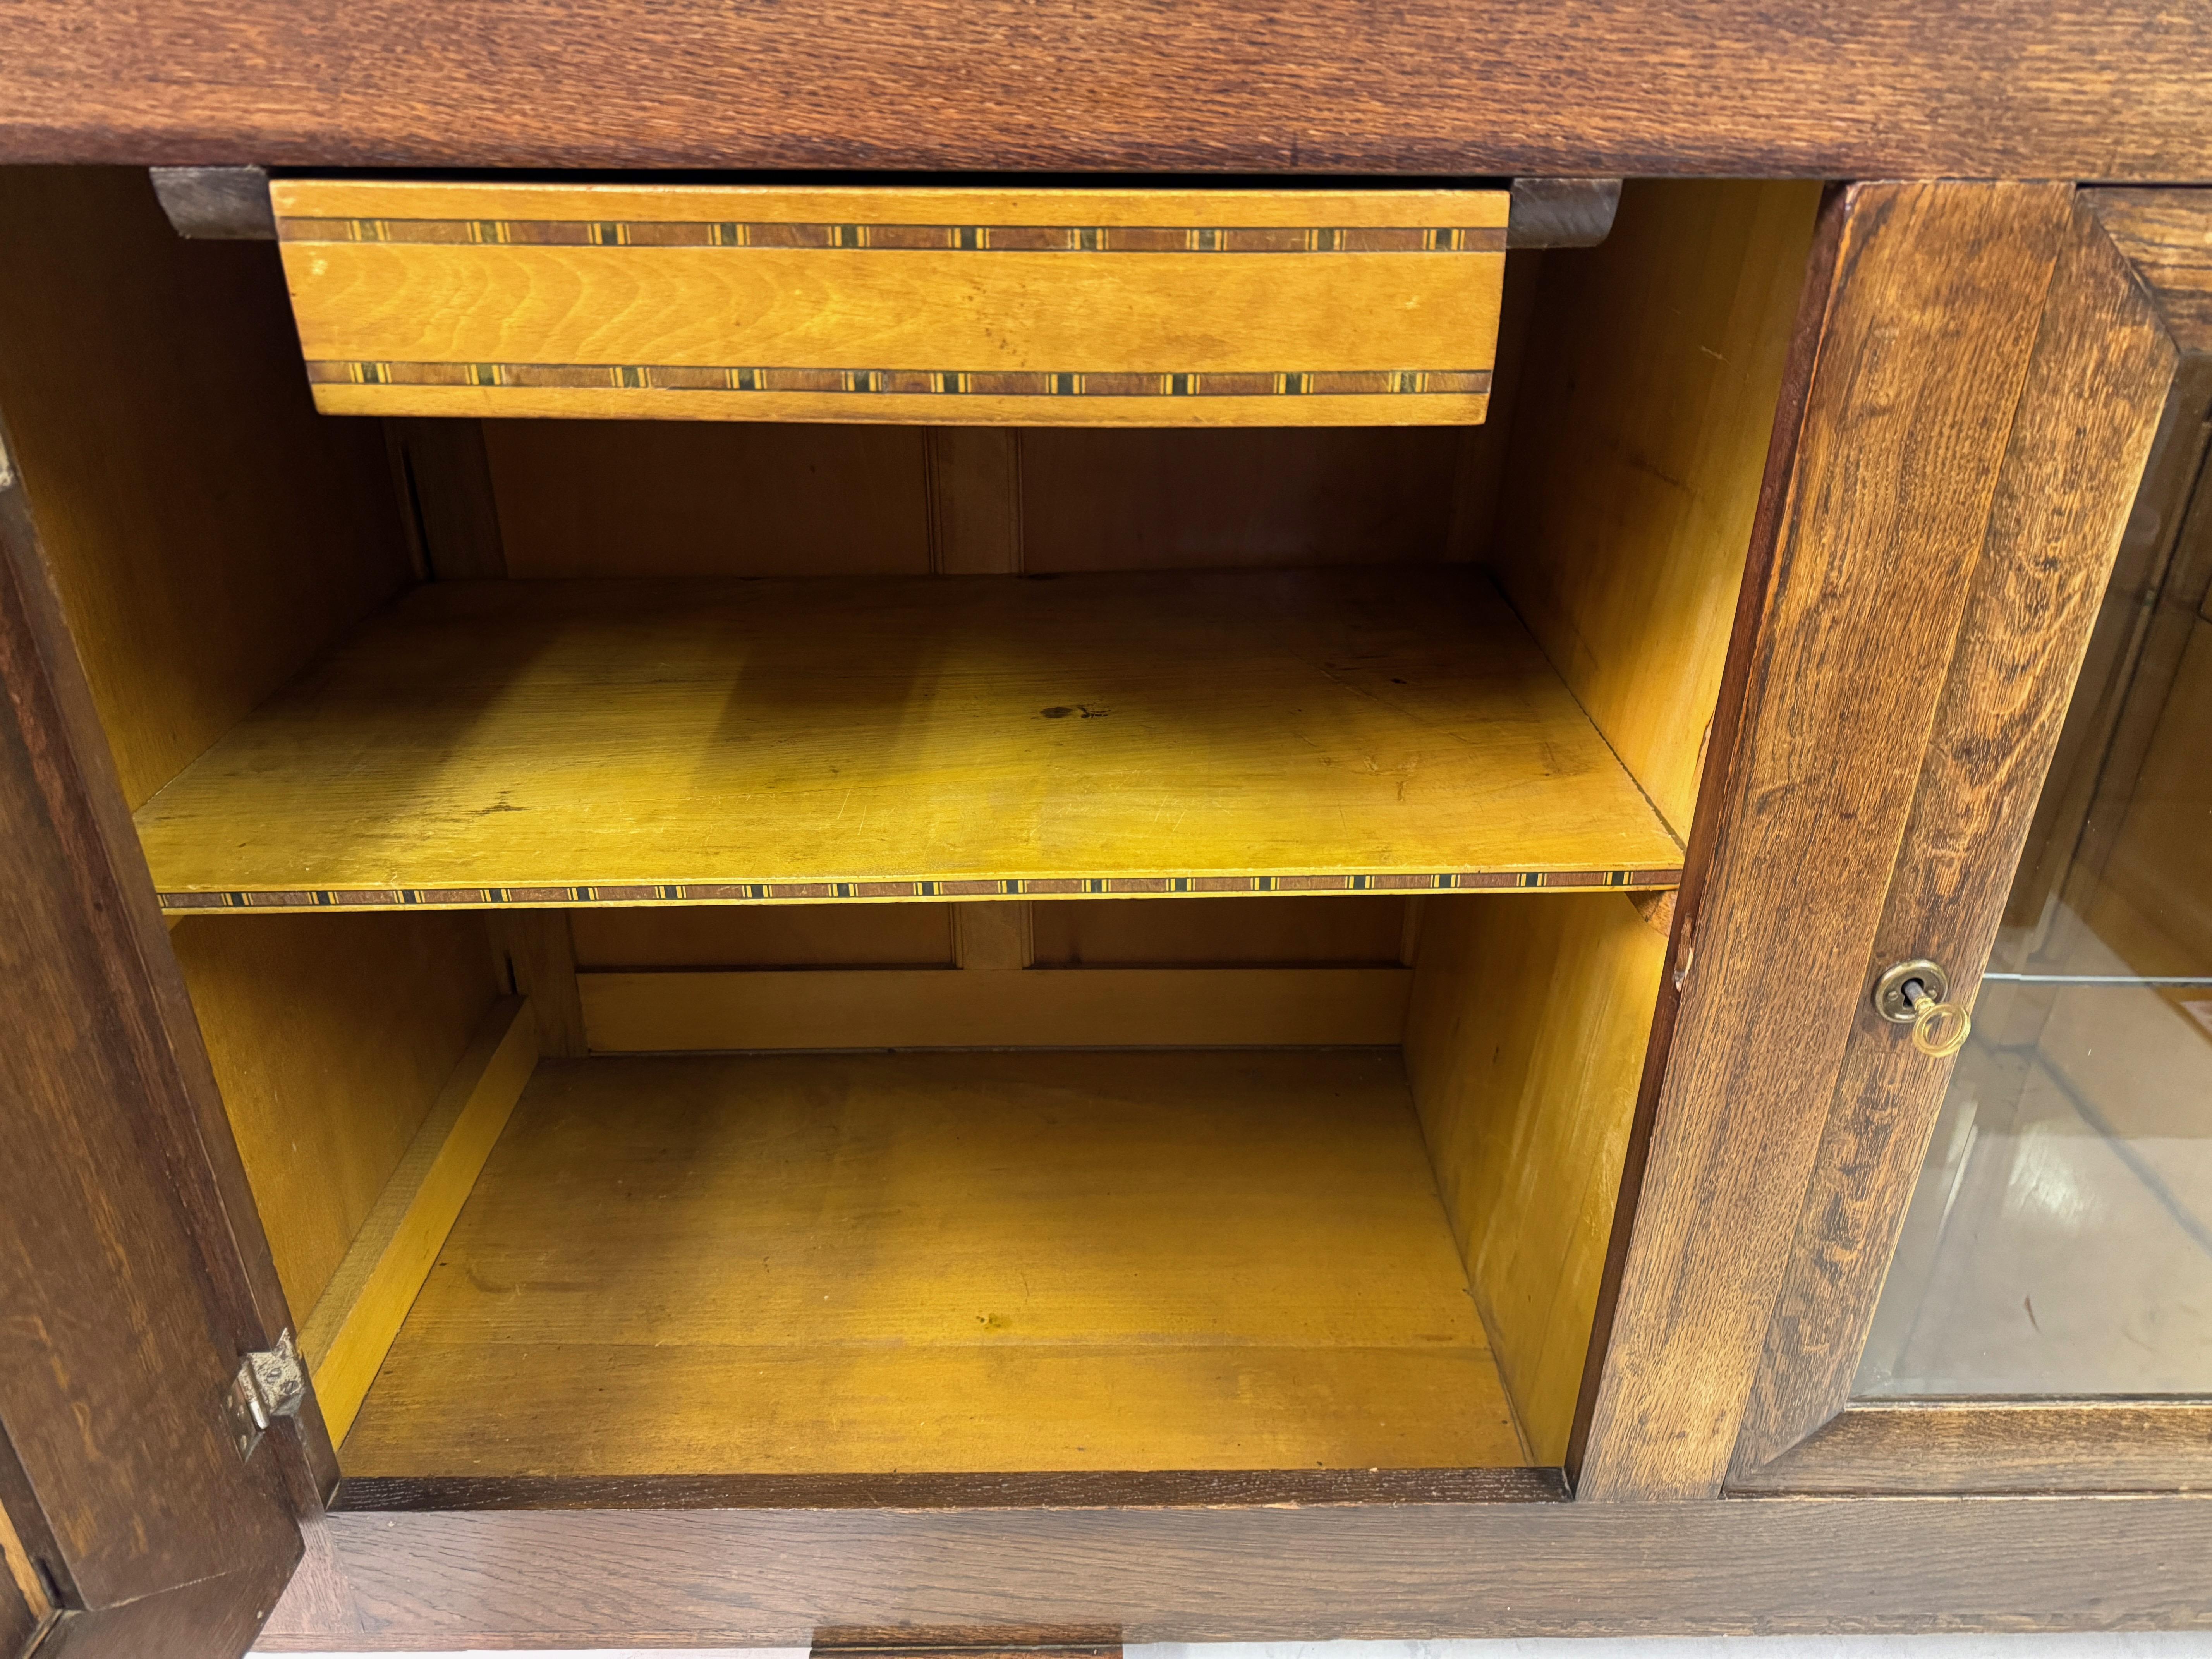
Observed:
{"x":580,"y":742}
{"x":946,"y":1263}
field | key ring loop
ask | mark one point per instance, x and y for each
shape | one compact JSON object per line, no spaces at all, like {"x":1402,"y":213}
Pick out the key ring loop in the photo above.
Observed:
{"x":1940,"y":1029}
{"x":1918,"y":993}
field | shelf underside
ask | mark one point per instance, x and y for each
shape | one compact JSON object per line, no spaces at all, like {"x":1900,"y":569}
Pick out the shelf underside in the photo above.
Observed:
{"x":578,"y":743}
{"x":946,"y":1263}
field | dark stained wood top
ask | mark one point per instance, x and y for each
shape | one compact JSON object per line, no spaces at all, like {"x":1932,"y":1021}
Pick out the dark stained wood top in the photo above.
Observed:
{"x":1894,"y":87}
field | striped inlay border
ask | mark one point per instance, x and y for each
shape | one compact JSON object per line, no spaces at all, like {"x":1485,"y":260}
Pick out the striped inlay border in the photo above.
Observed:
{"x":909,"y":239}
{"x":802,"y":892}
{"x":928,"y":382}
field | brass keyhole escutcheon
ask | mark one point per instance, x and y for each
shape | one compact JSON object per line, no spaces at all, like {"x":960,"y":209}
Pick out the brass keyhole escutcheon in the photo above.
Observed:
{"x":1918,"y":993}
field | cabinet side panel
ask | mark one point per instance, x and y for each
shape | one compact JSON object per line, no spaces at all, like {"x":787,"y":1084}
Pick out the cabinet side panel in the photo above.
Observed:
{"x":1636,"y":457}
{"x":329,"y":1036}
{"x":209,"y":532}
{"x":1524,"y":1042}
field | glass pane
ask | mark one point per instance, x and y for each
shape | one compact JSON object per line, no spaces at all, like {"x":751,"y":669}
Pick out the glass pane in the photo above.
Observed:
{"x":2060,"y":1238}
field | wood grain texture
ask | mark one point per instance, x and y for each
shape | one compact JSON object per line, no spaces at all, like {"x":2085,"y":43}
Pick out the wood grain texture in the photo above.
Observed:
{"x":643,"y":498}
{"x":1638,"y":444}
{"x":1524,"y":1043}
{"x":978,"y":1008}
{"x":955,"y":1263}
{"x":630,"y":498}
{"x":27,"y":1605}
{"x":1345,"y":932}
{"x":445,"y":493}
{"x":1998,"y":1446}
{"x":2159,"y":576}
{"x":763,"y":739}
{"x":131,"y":1269}
{"x":917,"y":935}
{"x":1058,"y":1488}
{"x":1292,"y":398}
{"x":993,"y":936}
{"x":2097,"y":388}
{"x":344,"y":1339}
{"x":582,"y":1579}
{"x":974,"y":500}
{"x":1277,"y":496}
{"x":2160,"y":233}
{"x":207,"y":533}
{"x":913,"y":302}
{"x":209,"y":1616}
{"x":1928,"y":317}
{"x":1442,"y":87}
{"x":329,"y":1037}
{"x":534,"y":955}
{"x":799,"y":214}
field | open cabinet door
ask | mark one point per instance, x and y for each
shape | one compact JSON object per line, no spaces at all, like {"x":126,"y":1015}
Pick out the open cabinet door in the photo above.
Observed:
{"x":130,"y":1522}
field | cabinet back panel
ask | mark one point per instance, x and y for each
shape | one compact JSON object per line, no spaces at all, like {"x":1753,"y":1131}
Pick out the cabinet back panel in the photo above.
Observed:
{"x":1524,"y":1042}
{"x":1150,"y":500}
{"x":1279,"y":930}
{"x":329,"y":1037}
{"x":1639,"y":441}
{"x":1275,"y":931}
{"x":208,"y":530}
{"x":643,"y":498}
{"x":767,"y":936}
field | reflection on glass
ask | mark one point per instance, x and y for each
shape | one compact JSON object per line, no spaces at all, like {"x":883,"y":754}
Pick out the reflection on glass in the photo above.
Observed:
{"x":2060,"y":1238}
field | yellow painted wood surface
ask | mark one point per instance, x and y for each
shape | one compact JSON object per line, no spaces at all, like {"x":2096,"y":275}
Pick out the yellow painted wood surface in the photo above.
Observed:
{"x":952,"y":1262}
{"x":1639,"y":438}
{"x":544,"y":738}
{"x":1044,"y":1007}
{"x":329,"y":1037}
{"x":902,"y":204}
{"x":579,"y":498}
{"x":916,"y":409}
{"x":345,"y":1339}
{"x":645,"y":498}
{"x":1362,"y":930}
{"x":490,"y":299}
{"x":765,"y":936}
{"x":207,"y":532}
{"x":994,"y":936}
{"x":1525,"y":1043}
{"x":1336,"y":930}
{"x":534,"y":955}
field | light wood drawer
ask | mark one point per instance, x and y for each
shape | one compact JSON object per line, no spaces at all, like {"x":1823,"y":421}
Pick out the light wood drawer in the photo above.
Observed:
{"x":1148,"y":307}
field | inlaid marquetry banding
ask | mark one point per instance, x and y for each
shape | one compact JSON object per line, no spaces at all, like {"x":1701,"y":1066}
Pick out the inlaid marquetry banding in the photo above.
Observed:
{"x":928,"y":238}
{"x":878,"y":892}
{"x":947,"y":382}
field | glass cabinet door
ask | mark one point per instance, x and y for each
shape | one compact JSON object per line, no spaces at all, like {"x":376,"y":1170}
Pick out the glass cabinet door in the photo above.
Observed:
{"x":2059,"y":1238}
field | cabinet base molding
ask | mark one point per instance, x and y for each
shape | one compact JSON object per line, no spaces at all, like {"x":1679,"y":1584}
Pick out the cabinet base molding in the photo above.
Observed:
{"x":594,"y":1578}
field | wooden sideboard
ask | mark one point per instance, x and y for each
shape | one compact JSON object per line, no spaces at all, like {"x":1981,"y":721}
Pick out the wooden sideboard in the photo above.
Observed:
{"x":1134,"y":880}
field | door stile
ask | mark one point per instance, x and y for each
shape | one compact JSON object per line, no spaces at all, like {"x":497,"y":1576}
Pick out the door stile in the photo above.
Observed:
{"x":2115,"y":425}
{"x":1929,"y":319}
{"x":120,"y":1268}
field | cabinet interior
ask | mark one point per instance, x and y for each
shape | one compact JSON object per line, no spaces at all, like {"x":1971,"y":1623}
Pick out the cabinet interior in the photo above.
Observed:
{"x":736,"y":948}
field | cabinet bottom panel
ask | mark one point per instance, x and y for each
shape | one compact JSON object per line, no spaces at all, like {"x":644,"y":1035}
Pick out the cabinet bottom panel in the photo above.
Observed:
{"x":970,"y":1262}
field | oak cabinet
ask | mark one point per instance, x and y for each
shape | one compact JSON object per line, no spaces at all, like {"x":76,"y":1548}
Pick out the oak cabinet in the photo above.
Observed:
{"x":860,"y":926}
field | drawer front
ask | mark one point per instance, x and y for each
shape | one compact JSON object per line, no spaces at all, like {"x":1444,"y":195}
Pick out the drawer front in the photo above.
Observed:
{"x":1136,"y":307}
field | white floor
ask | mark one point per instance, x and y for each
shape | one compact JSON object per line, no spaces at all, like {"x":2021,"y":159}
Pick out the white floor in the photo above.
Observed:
{"x":2161,"y":1644}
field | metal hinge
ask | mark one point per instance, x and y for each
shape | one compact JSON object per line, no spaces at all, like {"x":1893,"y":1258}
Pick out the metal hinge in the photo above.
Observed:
{"x":269,"y":1385}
